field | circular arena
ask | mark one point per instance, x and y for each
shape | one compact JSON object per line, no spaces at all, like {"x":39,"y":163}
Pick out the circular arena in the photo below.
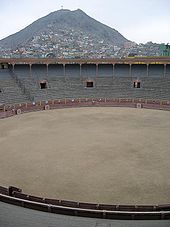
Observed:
{"x":108,"y":159}
{"x":99,"y":155}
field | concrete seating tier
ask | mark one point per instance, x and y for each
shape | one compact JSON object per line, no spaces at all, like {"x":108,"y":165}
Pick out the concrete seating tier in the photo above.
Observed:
{"x":10,"y":92}
{"x":21,"y":70}
{"x":70,"y":81}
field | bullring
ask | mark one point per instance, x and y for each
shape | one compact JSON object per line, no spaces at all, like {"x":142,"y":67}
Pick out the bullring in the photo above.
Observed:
{"x":66,"y":86}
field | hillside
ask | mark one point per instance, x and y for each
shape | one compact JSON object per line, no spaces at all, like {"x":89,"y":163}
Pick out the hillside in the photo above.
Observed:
{"x":64,"y":27}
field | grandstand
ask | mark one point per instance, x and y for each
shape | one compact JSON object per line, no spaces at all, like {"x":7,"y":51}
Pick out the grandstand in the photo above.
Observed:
{"x":10,"y":92}
{"x":28,"y":85}
{"x":29,"y":81}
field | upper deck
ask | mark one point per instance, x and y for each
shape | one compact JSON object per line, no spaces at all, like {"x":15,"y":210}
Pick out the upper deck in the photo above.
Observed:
{"x":129,"y":60}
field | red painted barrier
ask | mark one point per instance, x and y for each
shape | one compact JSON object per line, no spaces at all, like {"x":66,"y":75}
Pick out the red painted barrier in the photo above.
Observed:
{"x":17,"y":109}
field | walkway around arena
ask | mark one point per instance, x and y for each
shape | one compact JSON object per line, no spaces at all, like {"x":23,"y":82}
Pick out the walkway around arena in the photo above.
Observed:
{"x":14,"y":216}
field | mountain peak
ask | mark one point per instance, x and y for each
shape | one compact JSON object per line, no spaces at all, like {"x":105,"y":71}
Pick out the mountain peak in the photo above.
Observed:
{"x":67,"y":26}
{"x":63,"y":10}
{"x":79,"y":11}
{"x":68,"y":11}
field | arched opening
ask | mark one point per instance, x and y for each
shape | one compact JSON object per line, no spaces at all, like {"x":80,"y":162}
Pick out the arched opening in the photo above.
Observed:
{"x":43,"y":84}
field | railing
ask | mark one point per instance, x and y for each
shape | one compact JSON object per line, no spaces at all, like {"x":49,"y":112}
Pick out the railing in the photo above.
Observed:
{"x":22,"y":86}
{"x":15,"y":196}
{"x":10,"y":110}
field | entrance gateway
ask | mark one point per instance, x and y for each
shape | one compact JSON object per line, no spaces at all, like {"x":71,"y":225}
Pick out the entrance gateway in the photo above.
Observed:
{"x":136,"y":84}
{"x":43,"y":84}
{"x":89,"y":83}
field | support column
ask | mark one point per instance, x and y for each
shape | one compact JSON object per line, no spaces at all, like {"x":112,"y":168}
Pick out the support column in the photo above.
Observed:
{"x":130,"y":70}
{"x":30,"y":70}
{"x":64,"y":70}
{"x":147,"y":70}
{"x":13,"y":67}
{"x":113,"y":72}
{"x":164,"y":70}
{"x":81,"y":71}
{"x":97,"y":70}
{"x":47,"y":71}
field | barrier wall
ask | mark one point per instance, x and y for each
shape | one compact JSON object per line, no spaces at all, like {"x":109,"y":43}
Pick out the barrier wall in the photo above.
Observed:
{"x":11,"y":110}
{"x":15,"y":196}
{"x":125,"y":212}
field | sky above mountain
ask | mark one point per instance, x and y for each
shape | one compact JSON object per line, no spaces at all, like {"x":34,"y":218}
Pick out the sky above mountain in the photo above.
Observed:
{"x":139,"y":21}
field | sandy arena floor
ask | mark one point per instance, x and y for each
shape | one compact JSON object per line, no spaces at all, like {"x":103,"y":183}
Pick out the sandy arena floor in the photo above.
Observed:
{"x":104,"y":155}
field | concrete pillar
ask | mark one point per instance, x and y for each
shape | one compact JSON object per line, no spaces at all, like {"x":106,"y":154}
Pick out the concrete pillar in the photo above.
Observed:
{"x":97,"y":70}
{"x":164,"y":70}
{"x":13,"y":67}
{"x":30,"y":70}
{"x":64,"y":70}
{"x":47,"y":70}
{"x":130,"y":70}
{"x":147,"y":70}
{"x":80,"y":72}
{"x":113,"y":70}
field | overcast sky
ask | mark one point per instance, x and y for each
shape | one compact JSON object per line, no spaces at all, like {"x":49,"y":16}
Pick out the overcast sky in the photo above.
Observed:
{"x":138,"y":20}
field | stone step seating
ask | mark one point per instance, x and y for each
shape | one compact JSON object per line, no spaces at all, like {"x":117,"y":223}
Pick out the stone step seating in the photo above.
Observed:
{"x":105,"y":70}
{"x":45,"y":94}
{"x":39,"y":71}
{"x":121,"y":71}
{"x":10,"y":92}
{"x":57,"y":82}
{"x":4,"y":74}
{"x":138,"y":71}
{"x":22,"y":71}
{"x":55,"y":70}
{"x":11,"y":98}
{"x":73,"y":87}
{"x":168,"y":70}
{"x":156,"y":70}
{"x":72,"y":70}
